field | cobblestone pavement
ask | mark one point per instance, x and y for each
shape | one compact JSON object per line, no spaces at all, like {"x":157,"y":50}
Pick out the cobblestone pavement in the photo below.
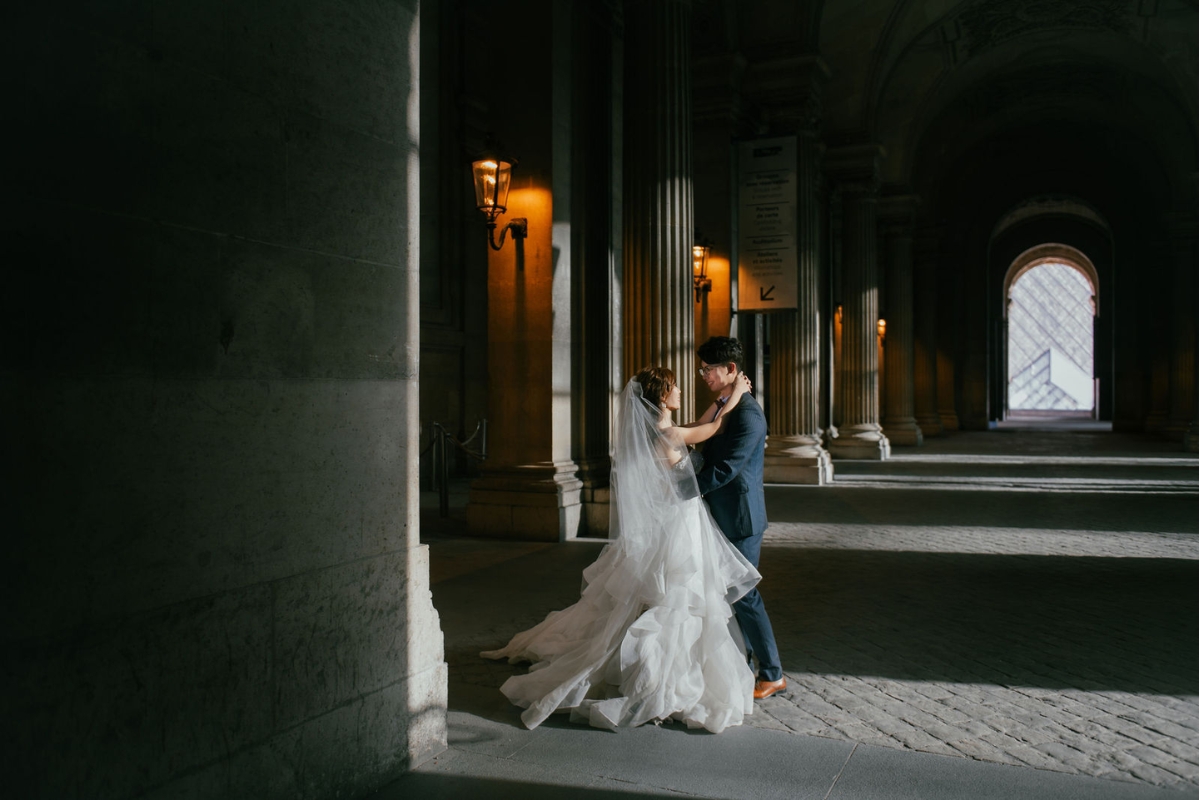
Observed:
{"x":1043,"y":626}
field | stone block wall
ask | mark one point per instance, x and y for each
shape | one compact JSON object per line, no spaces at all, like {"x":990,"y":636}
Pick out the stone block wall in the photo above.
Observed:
{"x":214,"y":585}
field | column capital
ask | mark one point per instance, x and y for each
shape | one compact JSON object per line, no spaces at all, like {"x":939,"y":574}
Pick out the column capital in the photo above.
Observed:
{"x":854,"y":169}
{"x":789,"y":88}
{"x":897,"y":211}
{"x":717,"y":90}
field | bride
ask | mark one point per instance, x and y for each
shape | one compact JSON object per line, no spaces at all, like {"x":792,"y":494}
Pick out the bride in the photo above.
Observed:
{"x":652,"y":637}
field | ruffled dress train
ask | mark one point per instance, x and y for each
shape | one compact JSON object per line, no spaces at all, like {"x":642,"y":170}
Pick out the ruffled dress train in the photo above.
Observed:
{"x":652,"y":637}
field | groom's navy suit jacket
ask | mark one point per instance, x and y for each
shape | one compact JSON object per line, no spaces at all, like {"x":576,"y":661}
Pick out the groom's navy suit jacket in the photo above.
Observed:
{"x":732,"y":477}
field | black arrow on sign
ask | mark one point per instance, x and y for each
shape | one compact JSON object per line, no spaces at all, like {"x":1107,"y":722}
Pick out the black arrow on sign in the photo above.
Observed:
{"x":765,"y":294}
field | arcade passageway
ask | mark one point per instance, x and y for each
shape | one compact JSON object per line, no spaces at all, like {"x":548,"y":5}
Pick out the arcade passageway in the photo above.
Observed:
{"x":1023,"y":597}
{"x":252,"y":278}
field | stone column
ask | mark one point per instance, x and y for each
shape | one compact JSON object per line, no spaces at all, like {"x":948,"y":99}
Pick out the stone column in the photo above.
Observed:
{"x":790,"y":89}
{"x":950,"y":285}
{"x":899,"y":422}
{"x":794,"y":453}
{"x":1182,"y":423}
{"x":717,"y":119}
{"x":945,"y":390}
{"x":1159,"y":374}
{"x":1154,"y":353}
{"x":659,"y":322}
{"x":529,"y":487}
{"x":925,"y":287}
{"x":596,"y":283}
{"x":859,"y":434}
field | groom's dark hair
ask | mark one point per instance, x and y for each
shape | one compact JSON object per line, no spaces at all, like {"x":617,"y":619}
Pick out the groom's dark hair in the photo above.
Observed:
{"x":722,"y":350}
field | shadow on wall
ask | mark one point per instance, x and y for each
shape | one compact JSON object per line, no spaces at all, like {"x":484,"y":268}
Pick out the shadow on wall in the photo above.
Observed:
{"x":213,"y":575}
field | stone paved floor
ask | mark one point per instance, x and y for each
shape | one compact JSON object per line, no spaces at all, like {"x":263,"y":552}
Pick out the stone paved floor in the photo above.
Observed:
{"x":994,"y":596}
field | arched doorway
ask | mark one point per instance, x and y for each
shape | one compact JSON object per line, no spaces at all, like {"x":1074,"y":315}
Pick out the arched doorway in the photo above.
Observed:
{"x":1051,"y":302}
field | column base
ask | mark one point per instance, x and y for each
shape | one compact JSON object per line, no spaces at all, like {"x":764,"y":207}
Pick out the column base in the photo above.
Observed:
{"x":595,"y":520}
{"x":904,"y":432}
{"x":1178,"y":430}
{"x":930,"y":424}
{"x":535,"y":502}
{"x":1155,"y":423}
{"x":949,"y":420}
{"x":828,"y":436}
{"x":594,"y":497}
{"x":865,"y":444}
{"x":799,"y":461}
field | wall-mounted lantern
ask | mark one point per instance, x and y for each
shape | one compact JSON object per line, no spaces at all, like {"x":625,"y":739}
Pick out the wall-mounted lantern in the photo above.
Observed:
{"x":881,"y":327}
{"x":701,"y":283}
{"x":493,"y":175}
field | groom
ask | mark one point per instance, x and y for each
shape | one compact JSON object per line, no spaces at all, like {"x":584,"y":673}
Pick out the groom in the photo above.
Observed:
{"x":732,"y":484}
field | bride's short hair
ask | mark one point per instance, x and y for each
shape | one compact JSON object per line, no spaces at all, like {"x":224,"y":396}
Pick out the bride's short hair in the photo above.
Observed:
{"x":657,"y":383}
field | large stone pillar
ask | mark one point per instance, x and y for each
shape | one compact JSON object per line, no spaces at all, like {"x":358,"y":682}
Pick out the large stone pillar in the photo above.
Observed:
{"x":945,"y":390}
{"x":596,"y":283}
{"x":899,"y":421}
{"x":214,"y":575}
{"x":855,"y":169}
{"x":948,"y":334}
{"x":659,"y":322}
{"x":1182,"y":424}
{"x":1158,"y":372}
{"x":925,"y":286}
{"x":529,"y":487}
{"x":790,"y":89}
{"x":717,"y":118}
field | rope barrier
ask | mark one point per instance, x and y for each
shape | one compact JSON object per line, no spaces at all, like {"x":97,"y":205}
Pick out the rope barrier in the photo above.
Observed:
{"x":441,"y":464}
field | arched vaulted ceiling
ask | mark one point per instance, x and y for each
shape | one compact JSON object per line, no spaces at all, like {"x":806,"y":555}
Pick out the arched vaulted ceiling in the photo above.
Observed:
{"x":982,"y":68}
{"x":936,"y":80}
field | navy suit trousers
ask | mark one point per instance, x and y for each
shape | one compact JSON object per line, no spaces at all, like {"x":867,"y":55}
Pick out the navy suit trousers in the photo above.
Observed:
{"x":752,"y":617}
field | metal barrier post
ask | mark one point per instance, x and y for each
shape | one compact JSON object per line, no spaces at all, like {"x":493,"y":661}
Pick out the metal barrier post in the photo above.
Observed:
{"x":441,"y":462}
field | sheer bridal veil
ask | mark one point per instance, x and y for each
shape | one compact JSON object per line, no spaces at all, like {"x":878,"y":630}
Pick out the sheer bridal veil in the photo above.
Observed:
{"x":654,"y":487}
{"x":653,"y":634}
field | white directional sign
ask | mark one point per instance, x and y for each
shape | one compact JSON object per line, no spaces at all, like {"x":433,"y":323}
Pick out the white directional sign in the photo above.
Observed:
{"x":767,"y":224}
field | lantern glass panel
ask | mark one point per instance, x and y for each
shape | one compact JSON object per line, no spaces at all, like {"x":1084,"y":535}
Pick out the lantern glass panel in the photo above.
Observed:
{"x":492,"y":177}
{"x":699,"y":257}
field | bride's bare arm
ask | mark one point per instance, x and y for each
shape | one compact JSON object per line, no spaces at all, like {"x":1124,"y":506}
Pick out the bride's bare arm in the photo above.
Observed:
{"x":698,"y":432}
{"x":708,"y":414}
{"x":703,"y":431}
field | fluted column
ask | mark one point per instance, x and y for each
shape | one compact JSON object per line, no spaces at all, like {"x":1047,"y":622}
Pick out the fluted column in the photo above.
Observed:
{"x":1154,"y":350}
{"x":945,"y":390}
{"x":899,"y":421}
{"x":659,"y":325}
{"x":859,"y":434}
{"x":794,"y":452}
{"x":529,"y":486}
{"x":1182,"y":424}
{"x":949,"y":294}
{"x":787,"y":88}
{"x":1159,"y":375}
{"x":718,"y":117}
{"x":925,"y":332}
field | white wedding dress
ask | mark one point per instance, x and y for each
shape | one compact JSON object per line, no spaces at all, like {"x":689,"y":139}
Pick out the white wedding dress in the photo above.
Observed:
{"x":652,"y":637}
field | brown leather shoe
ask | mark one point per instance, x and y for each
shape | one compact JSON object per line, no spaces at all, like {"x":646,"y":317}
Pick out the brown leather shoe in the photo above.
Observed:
{"x":767,"y":688}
